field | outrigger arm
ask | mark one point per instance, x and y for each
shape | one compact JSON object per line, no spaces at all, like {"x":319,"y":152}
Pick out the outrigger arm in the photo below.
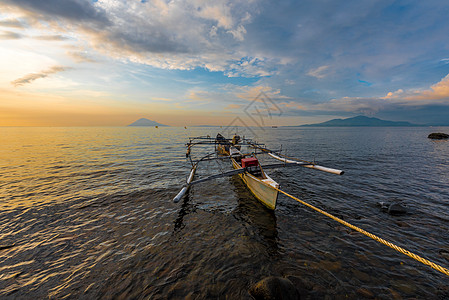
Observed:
{"x":286,"y":163}
{"x":190,"y":183}
{"x":308,"y":165}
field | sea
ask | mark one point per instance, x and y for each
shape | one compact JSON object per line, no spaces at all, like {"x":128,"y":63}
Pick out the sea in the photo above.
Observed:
{"x":87,"y":213}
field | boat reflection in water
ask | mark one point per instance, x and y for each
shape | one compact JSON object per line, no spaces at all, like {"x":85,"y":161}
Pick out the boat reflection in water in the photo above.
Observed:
{"x":261,"y":221}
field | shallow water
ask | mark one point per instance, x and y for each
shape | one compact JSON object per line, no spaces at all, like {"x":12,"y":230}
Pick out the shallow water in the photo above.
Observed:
{"x":87,"y":213}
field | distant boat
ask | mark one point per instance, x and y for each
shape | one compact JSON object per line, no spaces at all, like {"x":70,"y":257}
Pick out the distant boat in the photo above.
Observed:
{"x":274,"y":126}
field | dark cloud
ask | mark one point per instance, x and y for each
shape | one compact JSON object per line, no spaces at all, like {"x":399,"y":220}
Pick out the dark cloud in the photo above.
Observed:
{"x":33,"y":76}
{"x":153,"y":40}
{"x":74,"y":10}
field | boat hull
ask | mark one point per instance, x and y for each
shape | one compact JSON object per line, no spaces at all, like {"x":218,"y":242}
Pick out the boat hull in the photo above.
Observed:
{"x":262,"y":189}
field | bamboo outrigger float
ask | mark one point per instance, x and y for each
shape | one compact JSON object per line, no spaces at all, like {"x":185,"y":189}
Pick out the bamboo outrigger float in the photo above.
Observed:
{"x":246,"y":165}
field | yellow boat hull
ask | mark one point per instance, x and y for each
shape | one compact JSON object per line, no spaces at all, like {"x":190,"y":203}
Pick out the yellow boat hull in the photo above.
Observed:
{"x":262,"y":189}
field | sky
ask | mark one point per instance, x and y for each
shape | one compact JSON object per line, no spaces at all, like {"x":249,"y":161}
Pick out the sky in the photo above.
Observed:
{"x":197,"y":62}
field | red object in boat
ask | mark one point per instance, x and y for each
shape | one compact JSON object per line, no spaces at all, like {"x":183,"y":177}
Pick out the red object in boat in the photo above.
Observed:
{"x":249,"y":162}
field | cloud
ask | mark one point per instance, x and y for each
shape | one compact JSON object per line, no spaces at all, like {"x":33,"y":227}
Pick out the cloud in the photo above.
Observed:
{"x":438,"y":91}
{"x":436,"y":95}
{"x":33,"y":76}
{"x":51,"y":37}
{"x":319,"y":72}
{"x":75,"y":10}
{"x":161,"y":99}
{"x":218,"y":11}
{"x":13,"y":23}
{"x":238,"y":33}
{"x":170,"y":35}
{"x":390,"y":46}
{"x":199,"y":96}
{"x":250,"y":93}
{"x":80,"y":56}
{"x":292,"y":105}
{"x":9,"y":35}
{"x":233,"y":106}
{"x":249,"y":67}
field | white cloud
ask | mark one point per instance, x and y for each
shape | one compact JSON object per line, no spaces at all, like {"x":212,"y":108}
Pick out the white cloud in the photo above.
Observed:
{"x":218,"y":11}
{"x":319,"y":72}
{"x":170,"y":35}
{"x":437,"y":94}
{"x":438,"y":91}
{"x":238,"y":33}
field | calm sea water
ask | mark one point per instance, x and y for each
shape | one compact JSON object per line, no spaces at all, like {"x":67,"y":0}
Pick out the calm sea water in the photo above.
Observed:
{"x":87,"y":213}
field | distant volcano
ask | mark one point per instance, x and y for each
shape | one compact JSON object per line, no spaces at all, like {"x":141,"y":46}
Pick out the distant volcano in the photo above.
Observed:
{"x":146,"y":122}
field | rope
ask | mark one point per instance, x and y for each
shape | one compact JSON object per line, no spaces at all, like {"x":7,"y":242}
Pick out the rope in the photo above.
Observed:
{"x":374,"y":237}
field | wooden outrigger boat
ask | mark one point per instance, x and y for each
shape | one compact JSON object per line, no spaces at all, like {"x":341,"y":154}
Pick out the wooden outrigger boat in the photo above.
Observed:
{"x":265,"y":189}
{"x":246,"y":165}
{"x":258,"y":182}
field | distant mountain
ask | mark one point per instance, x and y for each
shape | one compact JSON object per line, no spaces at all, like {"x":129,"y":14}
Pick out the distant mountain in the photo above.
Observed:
{"x":146,"y":122}
{"x":359,"y":121}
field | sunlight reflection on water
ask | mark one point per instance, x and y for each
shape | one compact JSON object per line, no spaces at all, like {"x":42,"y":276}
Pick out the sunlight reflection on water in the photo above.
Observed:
{"x":87,"y":212}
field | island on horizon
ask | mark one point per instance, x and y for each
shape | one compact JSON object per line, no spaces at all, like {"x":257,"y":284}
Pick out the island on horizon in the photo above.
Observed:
{"x":147,"y":122}
{"x":359,"y":121}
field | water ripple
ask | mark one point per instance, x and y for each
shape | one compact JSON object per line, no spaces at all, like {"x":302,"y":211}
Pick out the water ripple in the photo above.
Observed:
{"x":86,"y":213}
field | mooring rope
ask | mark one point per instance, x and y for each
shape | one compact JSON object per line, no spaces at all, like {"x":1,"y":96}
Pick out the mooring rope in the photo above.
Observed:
{"x":373,"y":236}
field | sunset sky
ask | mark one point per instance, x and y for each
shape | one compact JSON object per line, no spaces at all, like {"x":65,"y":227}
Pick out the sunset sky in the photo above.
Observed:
{"x":111,"y":62}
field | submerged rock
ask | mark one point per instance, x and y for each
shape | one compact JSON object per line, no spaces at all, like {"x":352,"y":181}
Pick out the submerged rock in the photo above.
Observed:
{"x":273,"y":288}
{"x":438,"y":136}
{"x":383,"y":206}
{"x":397,"y":209}
{"x":303,"y":287}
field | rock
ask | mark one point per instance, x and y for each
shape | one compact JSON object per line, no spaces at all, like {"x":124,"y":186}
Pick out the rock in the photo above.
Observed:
{"x":397,"y":209}
{"x":438,"y":136}
{"x":401,"y":224}
{"x":273,"y":288}
{"x":383,"y":206}
{"x":303,"y":287}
